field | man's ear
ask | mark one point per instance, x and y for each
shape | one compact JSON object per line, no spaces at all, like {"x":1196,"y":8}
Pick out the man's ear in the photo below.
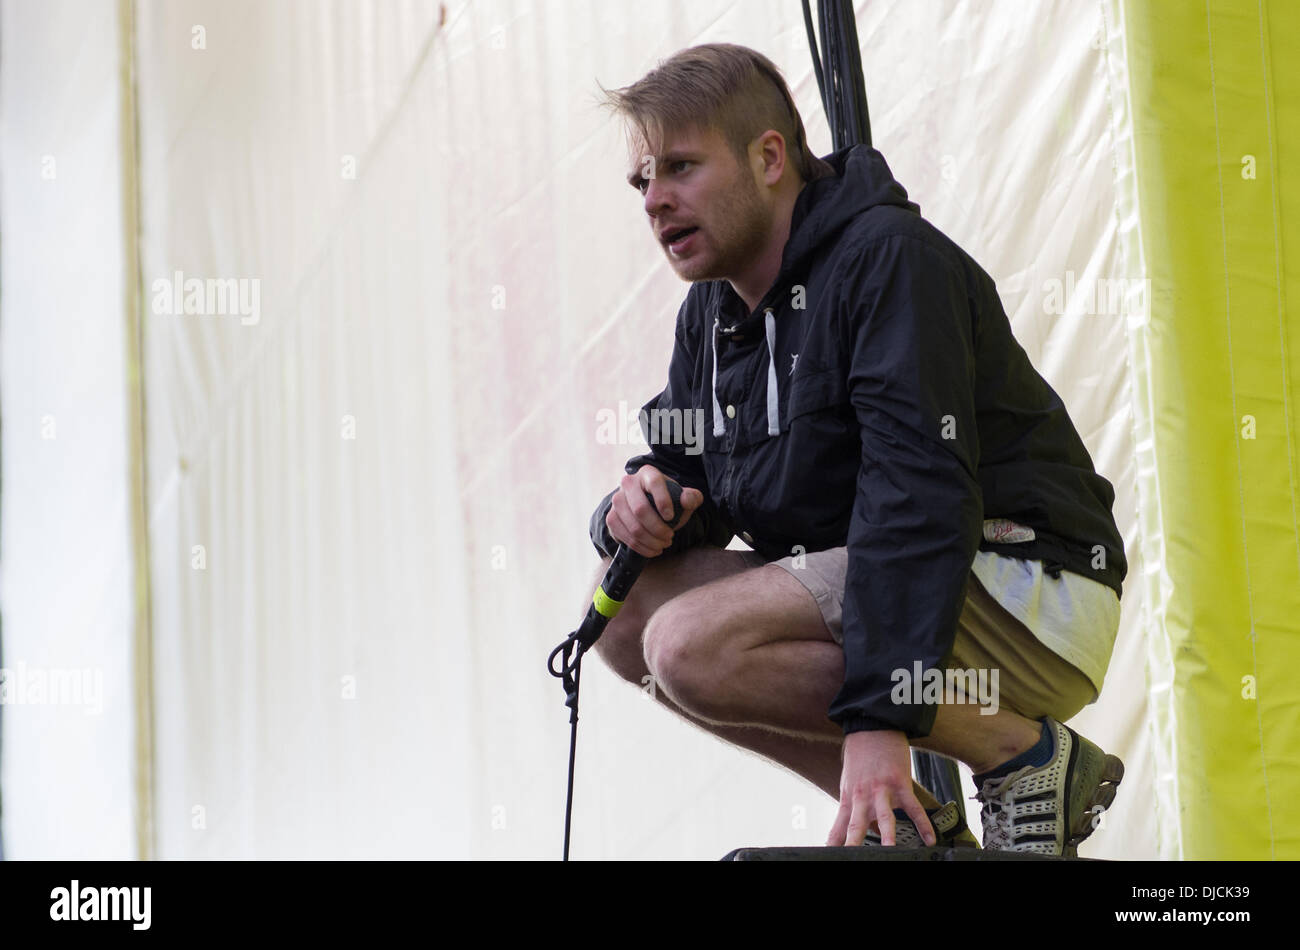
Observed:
{"x":772,"y":149}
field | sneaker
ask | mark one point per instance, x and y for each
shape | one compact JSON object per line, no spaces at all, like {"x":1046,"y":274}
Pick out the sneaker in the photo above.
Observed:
{"x":949,"y":828}
{"x":1050,"y":809}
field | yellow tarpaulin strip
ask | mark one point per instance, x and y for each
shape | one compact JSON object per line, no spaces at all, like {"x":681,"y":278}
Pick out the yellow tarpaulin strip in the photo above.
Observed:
{"x":1215,"y":92}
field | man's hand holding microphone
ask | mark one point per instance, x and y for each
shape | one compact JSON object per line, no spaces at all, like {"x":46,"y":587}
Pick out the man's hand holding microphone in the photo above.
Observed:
{"x":641,"y":522}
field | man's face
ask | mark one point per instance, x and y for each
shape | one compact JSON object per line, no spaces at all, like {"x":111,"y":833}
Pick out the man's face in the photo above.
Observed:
{"x":695,"y":181}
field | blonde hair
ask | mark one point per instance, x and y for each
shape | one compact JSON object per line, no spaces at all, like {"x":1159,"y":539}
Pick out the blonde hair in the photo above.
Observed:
{"x":733,"y":89}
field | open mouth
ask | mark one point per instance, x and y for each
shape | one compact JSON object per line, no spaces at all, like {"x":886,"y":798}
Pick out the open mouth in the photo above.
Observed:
{"x":675,"y":237}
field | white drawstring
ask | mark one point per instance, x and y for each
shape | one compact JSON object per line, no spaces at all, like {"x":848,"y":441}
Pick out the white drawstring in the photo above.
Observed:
{"x":718,"y":426}
{"x":773,"y":418}
{"x":773,"y":414}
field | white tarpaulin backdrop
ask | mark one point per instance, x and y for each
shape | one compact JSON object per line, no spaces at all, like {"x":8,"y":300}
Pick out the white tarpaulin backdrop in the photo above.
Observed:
{"x":368,"y":477}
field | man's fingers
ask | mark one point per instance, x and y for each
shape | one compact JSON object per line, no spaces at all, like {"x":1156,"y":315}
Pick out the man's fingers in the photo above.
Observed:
{"x":663,"y":505}
{"x":639,"y":517}
{"x":839,"y":829}
{"x":919,"y":818}
{"x":691,"y":501}
{"x":655,"y":483}
{"x":857,"y":831}
{"x":622,"y":531}
{"x":645,"y":514}
{"x":885,"y":817}
{"x":653,"y":525}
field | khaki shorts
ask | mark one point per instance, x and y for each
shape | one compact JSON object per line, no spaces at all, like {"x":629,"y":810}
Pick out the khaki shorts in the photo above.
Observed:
{"x":1033,"y":680}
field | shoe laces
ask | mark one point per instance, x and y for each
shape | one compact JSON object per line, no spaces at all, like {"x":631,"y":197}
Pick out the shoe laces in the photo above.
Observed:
{"x":995,"y":817}
{"x":997,"y":800}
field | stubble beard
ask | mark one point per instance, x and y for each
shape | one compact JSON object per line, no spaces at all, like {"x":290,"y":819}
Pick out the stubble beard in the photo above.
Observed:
{"x":735,"y":239}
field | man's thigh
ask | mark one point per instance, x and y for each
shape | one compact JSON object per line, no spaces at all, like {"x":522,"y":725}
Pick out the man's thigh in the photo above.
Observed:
{"x":718,"y":600}
{"x":666,"y":577}
{"x":1033,"y":680}
{"x":756,"y":604}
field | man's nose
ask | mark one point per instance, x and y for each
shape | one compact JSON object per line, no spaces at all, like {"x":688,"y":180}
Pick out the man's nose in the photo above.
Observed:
{"x":656,"y":196}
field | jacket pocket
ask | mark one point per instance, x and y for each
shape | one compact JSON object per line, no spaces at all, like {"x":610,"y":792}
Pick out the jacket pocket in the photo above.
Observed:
{"x":814,"y":393}
{"x":798,"y":489}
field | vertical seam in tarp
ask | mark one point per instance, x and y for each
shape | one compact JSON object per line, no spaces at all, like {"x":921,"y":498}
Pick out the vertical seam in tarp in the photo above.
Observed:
{"x":1151,"y":536}
{"x":142,"y":633}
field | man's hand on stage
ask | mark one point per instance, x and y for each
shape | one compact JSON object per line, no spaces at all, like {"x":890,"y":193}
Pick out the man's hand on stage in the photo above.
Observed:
{"x":876,"y":779}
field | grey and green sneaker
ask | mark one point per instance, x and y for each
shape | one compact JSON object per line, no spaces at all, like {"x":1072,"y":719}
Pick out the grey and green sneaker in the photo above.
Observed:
{"x":1050,"y":809}
{"x":949,"y":828}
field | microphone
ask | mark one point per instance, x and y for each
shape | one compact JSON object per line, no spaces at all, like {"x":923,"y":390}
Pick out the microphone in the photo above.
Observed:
{"x":606,"y":602}
{"x":612,"y":591}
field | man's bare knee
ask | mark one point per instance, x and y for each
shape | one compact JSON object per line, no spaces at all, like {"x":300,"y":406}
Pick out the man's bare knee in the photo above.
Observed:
{"x":679,"y":655}
{"x":662,"y":579}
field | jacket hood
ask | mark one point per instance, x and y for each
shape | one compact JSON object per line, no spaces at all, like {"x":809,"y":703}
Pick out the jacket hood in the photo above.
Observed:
{"x":826,"y":205}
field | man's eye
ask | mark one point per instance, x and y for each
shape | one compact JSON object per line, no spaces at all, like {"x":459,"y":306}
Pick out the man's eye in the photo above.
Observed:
{"x":641,"y":185}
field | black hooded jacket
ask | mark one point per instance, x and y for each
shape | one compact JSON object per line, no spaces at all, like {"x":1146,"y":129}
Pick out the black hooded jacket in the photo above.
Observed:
{"x":876,"y":398}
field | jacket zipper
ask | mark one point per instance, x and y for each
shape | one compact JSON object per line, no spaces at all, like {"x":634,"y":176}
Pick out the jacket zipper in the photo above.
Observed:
{"x":733,"y":495}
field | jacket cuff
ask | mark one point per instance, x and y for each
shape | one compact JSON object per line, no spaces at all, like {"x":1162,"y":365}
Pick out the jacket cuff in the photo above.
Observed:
{"x":867,"y":724}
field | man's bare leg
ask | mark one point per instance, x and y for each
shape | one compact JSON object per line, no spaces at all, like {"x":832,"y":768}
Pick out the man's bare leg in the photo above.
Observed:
{"x":985,"y":742}
{"x":816,"y":759}
{"x":750,"y":648}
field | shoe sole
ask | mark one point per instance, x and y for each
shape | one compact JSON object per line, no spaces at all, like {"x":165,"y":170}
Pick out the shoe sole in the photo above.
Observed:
{"x":1100,"y":774}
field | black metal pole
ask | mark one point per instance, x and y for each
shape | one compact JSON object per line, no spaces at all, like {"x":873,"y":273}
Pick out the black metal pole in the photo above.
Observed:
{"x":844,"y":97}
